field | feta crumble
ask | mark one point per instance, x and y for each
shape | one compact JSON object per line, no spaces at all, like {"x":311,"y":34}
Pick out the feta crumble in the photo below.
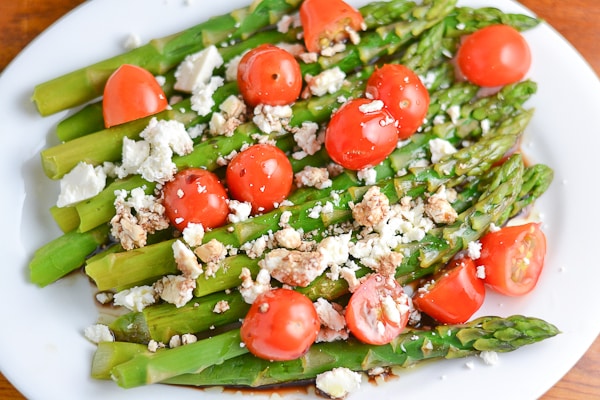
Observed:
{"x":197,"y":69}
{"x":81,"y":183}
{"x":339,"y":382}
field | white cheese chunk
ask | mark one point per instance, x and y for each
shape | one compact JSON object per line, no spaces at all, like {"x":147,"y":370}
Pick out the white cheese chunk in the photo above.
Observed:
{"x":136,"y":298}
{"x":339,"y":382}
{"x":439,"y":149}
{"x":328,"y":81}
{"x":98,"y":333}
{"x":81,"y":183}
{"x":197,"y":69}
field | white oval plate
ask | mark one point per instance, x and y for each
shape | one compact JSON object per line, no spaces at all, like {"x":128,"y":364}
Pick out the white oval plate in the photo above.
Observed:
{"x":42,"y":348}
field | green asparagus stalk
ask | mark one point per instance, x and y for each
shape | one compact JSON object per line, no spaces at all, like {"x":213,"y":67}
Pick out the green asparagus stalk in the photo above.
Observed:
{"x":489,"y":333}
{"x":63,"y":255}
{"x":160,"y":55}
{"x":412,"y":346}
{"x":144,"y":368}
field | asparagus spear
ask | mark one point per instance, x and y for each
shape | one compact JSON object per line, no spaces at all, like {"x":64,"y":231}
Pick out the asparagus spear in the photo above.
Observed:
{"x":445,"y":341}
{"x":413,"y":345}
{"x":160,"y":55}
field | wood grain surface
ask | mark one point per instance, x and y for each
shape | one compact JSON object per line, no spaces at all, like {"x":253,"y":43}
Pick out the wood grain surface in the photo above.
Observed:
{"x":577,"y":20}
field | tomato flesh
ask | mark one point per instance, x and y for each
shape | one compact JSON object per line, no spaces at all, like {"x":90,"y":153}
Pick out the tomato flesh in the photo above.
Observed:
{"x":261,"y":175}
{"x":131,"y":92}
{"x":455,"y":295}
{"x":378,"y":310}
{"x":281,"y":325}
{"x":326,"y":22}
{"x":494,"y":56}
{"x":403,"y":94}
{"x":513,"y":258}
{"x":197,"y":196}
{"x":269,"y":75}
{"x":359,"y":136}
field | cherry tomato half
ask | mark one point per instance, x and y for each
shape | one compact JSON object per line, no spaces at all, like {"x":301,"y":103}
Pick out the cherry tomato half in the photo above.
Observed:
{"x":403,"y":94}
{"x":269,"y":75}
{"x":359,"y":135}
{"x":262,"y":175}
{"x":197,"y":196}
{"x":513,"y":258}
{"x":493,"y":56}
{"x":281,"y":325}
{"x":325,"y":22}
{"x":378,"y":310}
{"x":455,"y":295}
{"x":131,"y":92}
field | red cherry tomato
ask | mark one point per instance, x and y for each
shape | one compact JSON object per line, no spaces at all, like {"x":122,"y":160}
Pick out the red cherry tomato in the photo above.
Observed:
{"x":281,"y":325}
{"x":455,"y":295}
{"x":403,"y":94}
{"x":513,"y":258}
{"x":493,"y":56}
{"x":262,"y":175}
{"x":269,"y":75}
{"x":378,"y":310}
{"x":360,"y":136}
{"x":197,"y":196}
{"x":325,"y":22}
{"x":131,"y":92}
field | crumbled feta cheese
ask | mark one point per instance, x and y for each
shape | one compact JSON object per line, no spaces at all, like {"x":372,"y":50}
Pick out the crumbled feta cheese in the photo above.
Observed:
{"x":474,"y":250}
{"x":313,"y":177}
{"x":271,"y":119}
{"x":294,"y":267}
{"x":231,"y":68}
{"x":133,"y":154}
{"x":372,"y":106}
{"x":339,"y":382}
{"x":440,"y":148}
{"x":289,"y":238}
{"x":221,"y":307}
{"x":193,"y":234}
{"x":188,"y":338}
{"x":239,"y":211}
{"x":213,"y":251}
{"x":333,"y":323}
{"x":307,"y":138}
{"x":136,"y":298}
{"x":186,"y":260}
{"x":368,"y":176}
{"x":98,"y":333}
{"x":328,"y":81}
{"x":454,"y":113}
{"x":335,"y":249}
{"x":83,"y":182}
{"x":202,"y":96}
{"x":440,"y":210}
{"x":489,"y":357}
{"x":168,"y":133}
{"x":175,"y":289}
{"x":250,"y":289}
{"x":197,"y":69}
{"x":133,"y":41}
{"x":480,"y":271}
{"x":373,"y":208}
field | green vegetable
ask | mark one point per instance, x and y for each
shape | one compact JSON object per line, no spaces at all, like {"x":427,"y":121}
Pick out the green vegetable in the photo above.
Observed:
{"x":412,"y":346}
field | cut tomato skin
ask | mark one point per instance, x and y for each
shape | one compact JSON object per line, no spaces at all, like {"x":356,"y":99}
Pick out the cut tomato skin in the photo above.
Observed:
{"x":366,"y":314}
{"x":403,"y":94}
{"x":261,"y":175}
{"x":513,"y":258}
{"x":269,"y":75}
{"x":325,"y":22}
{"x":453,"y":296}
{"x":281,"y":325}
{"x":496,"y":55}
{"x":358,"y":139}
{"x":197,"y":196}
{"x":130,"y":93}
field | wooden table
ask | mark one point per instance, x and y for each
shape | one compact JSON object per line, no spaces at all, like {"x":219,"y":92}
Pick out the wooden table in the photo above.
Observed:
{"x":576,"y":20}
